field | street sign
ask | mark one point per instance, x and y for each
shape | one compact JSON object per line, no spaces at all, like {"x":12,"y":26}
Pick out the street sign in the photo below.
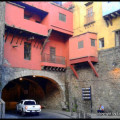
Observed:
{"x":86,"y":93}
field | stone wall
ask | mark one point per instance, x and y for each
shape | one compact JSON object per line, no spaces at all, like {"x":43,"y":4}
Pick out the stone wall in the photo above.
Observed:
{"x":58,"y":78}
{"x":2,"y":29}
{"x":105,"y":88}
{"x":8,"y":74}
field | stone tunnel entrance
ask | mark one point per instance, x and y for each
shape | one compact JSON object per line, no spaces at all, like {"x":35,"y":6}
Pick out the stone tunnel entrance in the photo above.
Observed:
{"x":45,"y":91}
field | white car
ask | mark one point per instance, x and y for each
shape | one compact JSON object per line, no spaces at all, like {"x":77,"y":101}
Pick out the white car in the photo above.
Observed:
{"x":28,"y":106}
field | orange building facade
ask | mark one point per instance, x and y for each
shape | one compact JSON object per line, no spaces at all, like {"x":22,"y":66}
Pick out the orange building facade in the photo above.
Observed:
{"x":42,"y":48}
{"x":37,"y":36}
{"x":40,"y":37}
{"x":83,"y":48}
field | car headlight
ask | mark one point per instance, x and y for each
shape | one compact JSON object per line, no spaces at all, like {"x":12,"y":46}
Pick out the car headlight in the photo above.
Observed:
{"x":26,"y":107}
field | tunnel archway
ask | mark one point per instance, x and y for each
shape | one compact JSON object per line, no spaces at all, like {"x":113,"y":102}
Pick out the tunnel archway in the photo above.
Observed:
{"x":44,"y":90}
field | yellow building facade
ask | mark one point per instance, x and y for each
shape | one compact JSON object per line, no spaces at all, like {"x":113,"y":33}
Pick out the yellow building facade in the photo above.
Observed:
{"x":88,"y":17}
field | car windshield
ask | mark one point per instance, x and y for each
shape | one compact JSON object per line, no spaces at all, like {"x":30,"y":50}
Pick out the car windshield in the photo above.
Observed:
{"x":29,"y":103}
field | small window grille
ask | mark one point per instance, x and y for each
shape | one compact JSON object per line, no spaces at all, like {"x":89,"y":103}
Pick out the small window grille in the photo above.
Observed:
{"x":80,"y":44}
{"x":27,"y":51}
{"x":92,"y":42}
{"x":117,"y":38}
{"x":62,"y":17}
{"x":52,"y":54}
{"x":90,"y":12}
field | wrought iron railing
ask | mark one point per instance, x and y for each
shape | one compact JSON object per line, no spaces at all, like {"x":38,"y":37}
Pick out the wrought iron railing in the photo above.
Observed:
{"x":52,"y":59}
{"x":89,"y":18}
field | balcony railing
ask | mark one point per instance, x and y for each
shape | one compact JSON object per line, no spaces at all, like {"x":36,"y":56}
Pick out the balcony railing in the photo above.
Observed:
{"x":89,"y":18}
{"x":53,"y":59}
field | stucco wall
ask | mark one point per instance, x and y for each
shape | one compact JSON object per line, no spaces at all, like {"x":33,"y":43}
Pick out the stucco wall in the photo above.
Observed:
{"x":99,"y":27}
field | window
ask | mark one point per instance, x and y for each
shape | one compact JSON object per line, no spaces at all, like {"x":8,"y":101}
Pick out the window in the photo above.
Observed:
{"x":80,"y":44}
{"x":117,"y":38}
{"x":89,"y":16}
{"x":92,"y":42}
{"x":90,"y":12}
{"x":27,"y":51}
{"x":27,"y":15}
{"x":101,"y":43}
{"x":62,"y":17}
{"x":29,"y":103}
{"x":52,"y":54}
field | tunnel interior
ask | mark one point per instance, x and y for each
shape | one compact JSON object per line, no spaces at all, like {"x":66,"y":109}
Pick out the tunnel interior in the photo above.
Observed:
{"x":45,"y":91}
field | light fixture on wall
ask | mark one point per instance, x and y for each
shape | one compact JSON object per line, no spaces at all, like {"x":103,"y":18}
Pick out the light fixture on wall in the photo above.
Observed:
{"x":20,"y":78}
{"x":34,"y":76}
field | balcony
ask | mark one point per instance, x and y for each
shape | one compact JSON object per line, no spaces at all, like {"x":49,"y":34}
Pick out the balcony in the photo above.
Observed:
{"x":89,"y":19}
{"x":17,"y":20}
{"x":83,"y":48}
{"x":53,"y":59}
{"x":51,"y":62}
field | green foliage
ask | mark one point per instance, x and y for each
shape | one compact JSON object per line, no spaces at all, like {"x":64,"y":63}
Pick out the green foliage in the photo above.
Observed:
{"x":74,"y":109}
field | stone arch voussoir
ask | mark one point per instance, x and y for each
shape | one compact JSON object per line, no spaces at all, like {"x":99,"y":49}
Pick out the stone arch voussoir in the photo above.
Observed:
{"x":46,"y":74}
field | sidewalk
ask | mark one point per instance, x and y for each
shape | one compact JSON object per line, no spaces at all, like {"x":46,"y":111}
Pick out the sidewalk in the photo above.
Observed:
{"x":93,"y":116}
{"x":61,"y":112}
{"x":105,"y":116}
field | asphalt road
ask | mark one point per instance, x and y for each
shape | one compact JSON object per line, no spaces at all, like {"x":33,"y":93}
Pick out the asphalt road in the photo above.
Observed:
{"x":43,"y":114}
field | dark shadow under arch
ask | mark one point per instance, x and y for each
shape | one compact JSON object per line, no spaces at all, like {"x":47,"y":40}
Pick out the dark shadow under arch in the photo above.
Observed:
{"x":43,"y":89}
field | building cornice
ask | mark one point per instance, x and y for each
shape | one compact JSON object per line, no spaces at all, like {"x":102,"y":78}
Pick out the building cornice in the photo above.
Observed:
{"x":15,"y":4}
